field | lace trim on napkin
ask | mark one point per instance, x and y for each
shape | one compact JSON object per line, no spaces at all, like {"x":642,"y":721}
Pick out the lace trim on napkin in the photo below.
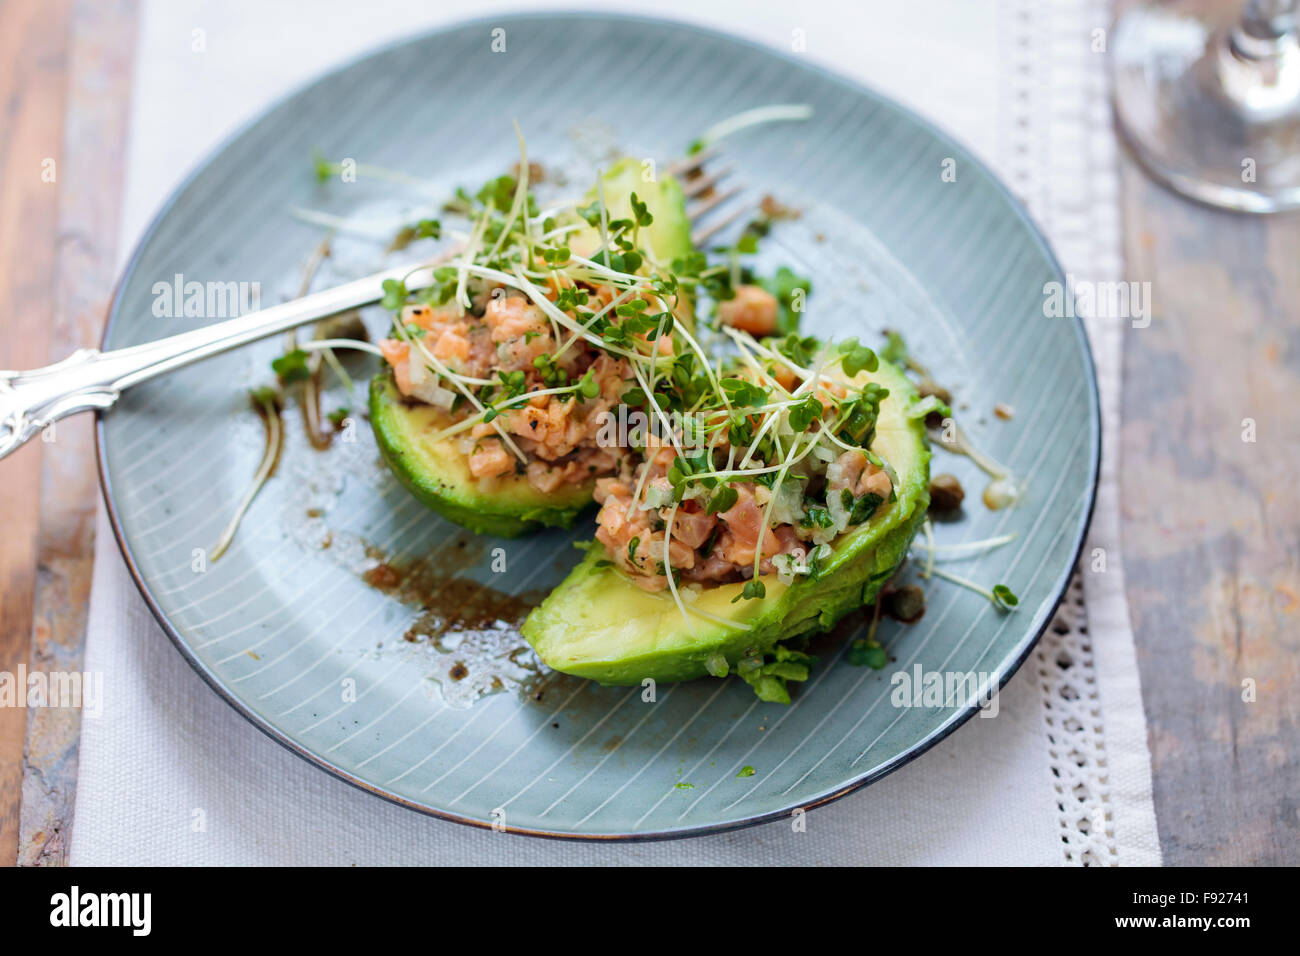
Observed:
{"x":1058,"y":157}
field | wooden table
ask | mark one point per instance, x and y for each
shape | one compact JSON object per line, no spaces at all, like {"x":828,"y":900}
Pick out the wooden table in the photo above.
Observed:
{"x":1211,"y":522}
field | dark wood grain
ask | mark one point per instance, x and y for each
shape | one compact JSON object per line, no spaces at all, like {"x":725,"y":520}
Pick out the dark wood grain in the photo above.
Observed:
{"x":33,"y":56}
{"x":100,"y":57}
{"x":1211,"y":522}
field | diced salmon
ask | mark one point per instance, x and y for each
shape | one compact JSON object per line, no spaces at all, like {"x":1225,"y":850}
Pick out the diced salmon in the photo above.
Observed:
{"x":616,"y":528}
{"x":789,"y":541}
{"x":693,"y":528}
{"x":545,"y":478}
{"x":512,"y":316}
{"x":875,"y":481}
{"x":851,"y":465}
{"x":716,"y":567}
{"x":753,"y":310}
{"x":419,"y":315}
{"x":452,"y":347}
{"x":679,"y":555}
{"x":615,"y":487}
{"x":397,"y":354}
{"x":551,"y":430}
{"x":489,"y":459}
{"x":745,"y":522}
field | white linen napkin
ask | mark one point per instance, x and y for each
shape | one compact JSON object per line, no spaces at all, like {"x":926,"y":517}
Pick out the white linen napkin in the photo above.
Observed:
{"x":1009,"y":79}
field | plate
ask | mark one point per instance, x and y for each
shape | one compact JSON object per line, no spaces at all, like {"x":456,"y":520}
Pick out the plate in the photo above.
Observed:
{"x":408,"y":680}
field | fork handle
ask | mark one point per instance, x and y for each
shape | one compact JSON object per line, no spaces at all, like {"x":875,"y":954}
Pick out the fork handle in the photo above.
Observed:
{"x":89,"y":379}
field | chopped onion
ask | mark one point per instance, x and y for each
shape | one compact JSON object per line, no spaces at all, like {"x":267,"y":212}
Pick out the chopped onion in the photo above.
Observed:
{"x":444,"y":398}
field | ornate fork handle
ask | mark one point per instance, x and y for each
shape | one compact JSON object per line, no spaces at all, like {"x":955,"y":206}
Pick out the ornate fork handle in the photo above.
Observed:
{"x":90,"y":379}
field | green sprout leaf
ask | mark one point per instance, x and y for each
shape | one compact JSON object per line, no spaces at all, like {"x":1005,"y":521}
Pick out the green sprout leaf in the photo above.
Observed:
{"x":753,"y":589}
{"x":291,"y":367}
{"x":1004,"y":598}
{"x":395,"y":295}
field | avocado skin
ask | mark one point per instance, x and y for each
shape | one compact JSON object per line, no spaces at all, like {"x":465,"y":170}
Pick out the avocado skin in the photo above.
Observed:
{"x":597,"y":624}
{"x":496,"y":514}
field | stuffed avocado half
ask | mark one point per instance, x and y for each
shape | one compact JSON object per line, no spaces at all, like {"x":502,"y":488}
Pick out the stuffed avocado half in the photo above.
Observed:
{"x":601,"y":625}
{"x":490,"y":403}
{"x":438,"y":474}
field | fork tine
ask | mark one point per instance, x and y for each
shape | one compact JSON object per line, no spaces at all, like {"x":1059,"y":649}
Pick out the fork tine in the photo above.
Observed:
{"x":705,"y":206}
{"x":701,"y":236}
{"x":698,"y":186}
{"x":689,"y":164}
{"x":702,"y":184}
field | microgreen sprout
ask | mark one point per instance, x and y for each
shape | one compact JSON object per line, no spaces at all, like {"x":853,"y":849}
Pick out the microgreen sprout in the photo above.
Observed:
{"x":1000,"y":596}
{"x":755,"y":117}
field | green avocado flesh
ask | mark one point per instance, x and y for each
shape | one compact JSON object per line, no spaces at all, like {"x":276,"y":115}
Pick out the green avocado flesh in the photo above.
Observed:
{"x":438,"y":474}
{"x":668,"y":237}
{"x":598,"y":624}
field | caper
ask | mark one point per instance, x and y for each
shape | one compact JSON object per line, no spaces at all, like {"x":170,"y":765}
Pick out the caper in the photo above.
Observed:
{"x":905,"y":604}
{"x":946,"y":493}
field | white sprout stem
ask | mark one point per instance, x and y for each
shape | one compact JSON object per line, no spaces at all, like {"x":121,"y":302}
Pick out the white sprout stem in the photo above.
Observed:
{"x":613,"y":304}
{"x":269,"y":456}
{"x":929,"y":541}
{"x":761,"y":372}
{"x":520,"y":198}
{"x":521,"y":283}
{"x":417,"y":341}
{"x":643,"y":473}
{"x":969,"y":548}
{"x":501,"y":406}
{"x":986,"y":464}
{"x":767,"y":422}
{"x":668,"y":564}
{"x":466,"y":261}
{"x":328,"y":344}
{"x":336,"y":366}
{"x":391,"y":175}
{"x":560,"y":231}
{"x":763,"y":114}
{"x":663,"y":419}
{"x":744,"y":338}
{"x":601,"y":269}
{"x":327,"y":347}
{"x":376,"y":229}
{"x":604,"y":211}
{"x":968,"y":584}
{"x":678,"y":326}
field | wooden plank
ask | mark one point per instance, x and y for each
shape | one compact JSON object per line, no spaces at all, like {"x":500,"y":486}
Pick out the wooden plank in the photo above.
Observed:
{"x":33,"y":56}
{"x":1211,"y":522}
{"x":101,"y":52}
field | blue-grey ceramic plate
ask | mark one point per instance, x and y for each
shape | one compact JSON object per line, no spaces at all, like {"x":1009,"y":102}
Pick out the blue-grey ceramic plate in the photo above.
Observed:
{"x":361,"y":680}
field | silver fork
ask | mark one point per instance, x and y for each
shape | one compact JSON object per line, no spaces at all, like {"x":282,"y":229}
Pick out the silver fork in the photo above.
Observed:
{"x":89,"y":379}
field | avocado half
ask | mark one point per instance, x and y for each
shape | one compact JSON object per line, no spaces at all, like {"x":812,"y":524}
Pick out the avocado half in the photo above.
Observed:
{"x":437,"y":474}
{"x":598,"y":624}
